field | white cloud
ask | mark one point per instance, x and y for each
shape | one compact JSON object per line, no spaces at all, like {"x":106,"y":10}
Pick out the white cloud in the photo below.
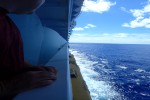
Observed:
{"x":124,"y":38}
{"x":89,"y":26}
{"x":98,"y":6}
{"x":124,"y":9}
{"x":78,"y":29}
{"x":85,"y":27}
{"x":120,"y":35}
{"x":142,"y":18}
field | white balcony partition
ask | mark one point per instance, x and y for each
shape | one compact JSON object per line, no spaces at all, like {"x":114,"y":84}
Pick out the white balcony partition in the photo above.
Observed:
{"x":44,"y":46}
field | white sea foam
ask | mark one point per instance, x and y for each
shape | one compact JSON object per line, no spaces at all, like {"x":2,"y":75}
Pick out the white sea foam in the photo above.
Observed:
{"x":148,"y":77}
{"x":143,"y":77}
{"x":140,"y":70}
{"x":145,"y":94}
{"x":122,"y":67}
{"x":99,"y":90}
{"x":101,"y":65}
{"x":104,"y":61}
{"x":137,"y":81}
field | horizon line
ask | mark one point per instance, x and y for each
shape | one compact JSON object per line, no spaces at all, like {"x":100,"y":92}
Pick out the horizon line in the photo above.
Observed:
{"x":110,"y":43}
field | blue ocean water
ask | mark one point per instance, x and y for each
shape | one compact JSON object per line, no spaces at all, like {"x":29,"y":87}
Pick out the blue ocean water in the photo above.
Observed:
{"x":114,"y":71}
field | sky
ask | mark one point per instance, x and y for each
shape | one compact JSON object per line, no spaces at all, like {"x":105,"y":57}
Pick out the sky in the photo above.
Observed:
{"x":113,"y":21}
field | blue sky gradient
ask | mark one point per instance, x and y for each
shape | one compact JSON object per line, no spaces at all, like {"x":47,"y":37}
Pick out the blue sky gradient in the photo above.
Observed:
{"x":113,"y":21}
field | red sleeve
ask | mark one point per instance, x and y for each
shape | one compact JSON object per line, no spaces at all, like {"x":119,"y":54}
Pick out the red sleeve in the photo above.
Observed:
{"x":11,"y":46}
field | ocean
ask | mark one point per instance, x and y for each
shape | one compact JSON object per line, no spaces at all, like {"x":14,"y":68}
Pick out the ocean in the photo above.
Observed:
{"x":114,"y":71}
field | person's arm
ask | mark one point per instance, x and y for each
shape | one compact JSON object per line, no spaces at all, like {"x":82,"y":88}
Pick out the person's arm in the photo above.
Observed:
{"x":21,"y":6}
{"x":25,"y":81}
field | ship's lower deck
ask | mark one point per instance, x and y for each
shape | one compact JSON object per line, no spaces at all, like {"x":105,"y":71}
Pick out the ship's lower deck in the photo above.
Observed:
{"x":79,"y":87}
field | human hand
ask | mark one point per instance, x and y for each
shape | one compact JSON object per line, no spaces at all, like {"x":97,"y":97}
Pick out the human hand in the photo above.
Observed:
{"x":31,"y":79}
{"x":40,"y":68}
{"x":25,"y":81}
